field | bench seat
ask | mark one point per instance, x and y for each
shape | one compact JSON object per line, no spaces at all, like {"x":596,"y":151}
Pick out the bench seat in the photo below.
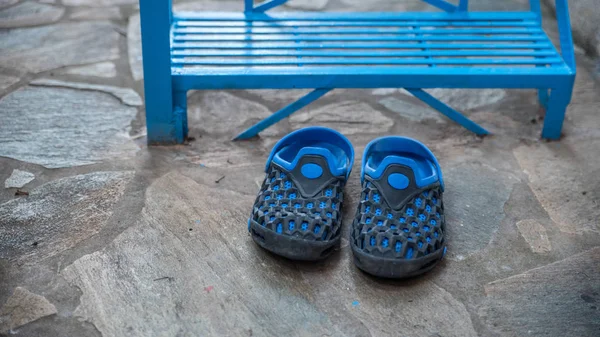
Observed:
{"x":361,"y":50}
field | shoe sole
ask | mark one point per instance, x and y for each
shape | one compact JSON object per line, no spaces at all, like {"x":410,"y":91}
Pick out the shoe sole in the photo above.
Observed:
{"x":291,"y":247}
{"x":396,"y":268}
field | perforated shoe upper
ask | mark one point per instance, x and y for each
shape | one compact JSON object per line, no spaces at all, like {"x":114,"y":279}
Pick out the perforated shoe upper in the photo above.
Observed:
{"x":413,"y":230}
{"x":282,"y":207}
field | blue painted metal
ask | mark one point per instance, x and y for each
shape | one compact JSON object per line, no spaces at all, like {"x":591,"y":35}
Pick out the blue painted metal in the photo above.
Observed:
{"x":256,"y":50}
{"x":360,"y":61}
{"x":248,"y":6}
{"x":388,"y":54}
{"x":448,"y":111}
{"x":564,"y":31}
{"x":443,"y":5}
{"x":560,"y":95}
{"x":556,"y":108}
{"x":356,"y":23}
{"x":366,"y":77}
{"x":541,"y":45}
{"x":543,"y":97}
{"x":535,"y":7}
{"x":300,"y":38}
{"x":186,"y":31}
{"x":268,"y":5}
{"x":283,"y":113}
{"x":156,"y":23}
{"x":352,"y":17}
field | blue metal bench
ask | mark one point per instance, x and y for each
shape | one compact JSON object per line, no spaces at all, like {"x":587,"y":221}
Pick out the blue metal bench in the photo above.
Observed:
{"x":324,"y":51}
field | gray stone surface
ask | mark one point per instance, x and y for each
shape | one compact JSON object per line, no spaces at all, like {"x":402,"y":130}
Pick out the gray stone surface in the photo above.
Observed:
{"x":30,"y":13}
{"x":23,"y":307}
{"x":50,"y":47}
{"x":282,"y":97}
{"x":98,"y":3}
{"x":379,"y":6}
{"x":134,"y":47}
{"x":209,"y":5}
{"x":385,"y":91}
{"x":35,"y":227}
{"x":474,"y":205}
{"x":560,"y":299}
{"x":223,"y":114}
{"x":468,"y":99}
{"x":535,"y":234}
{"x":558,"y":185}
{"x":348,"y":117}
{"x":18,"y":179}
{"x":411,"y":111}
{"x":156,"y":265}
{"x":91,"y":127}
{"x":127,"y":96}
{"x":459,"y":99}
{"x":6,"y":3}
{"x":6,"y":81}
{"x":103,"y":13}
{"x":102,"y":69}
{"x":311,"y":5}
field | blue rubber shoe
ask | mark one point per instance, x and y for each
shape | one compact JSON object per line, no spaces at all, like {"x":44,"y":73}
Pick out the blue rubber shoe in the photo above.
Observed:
{"x":398,"y":230}
{"x":297,"y":213}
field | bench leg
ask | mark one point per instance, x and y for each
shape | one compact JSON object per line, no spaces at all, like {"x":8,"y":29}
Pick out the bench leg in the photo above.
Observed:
{"x":156,"y":22}
{"x":283,"y":113}
{"x":555,"y":111}
{"x":180,"y":114}
{"x":543,"y":97}
{"x":448,"y":111}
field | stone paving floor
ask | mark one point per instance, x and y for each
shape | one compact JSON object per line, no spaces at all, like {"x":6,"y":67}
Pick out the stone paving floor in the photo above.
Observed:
{"x":102,"y":236}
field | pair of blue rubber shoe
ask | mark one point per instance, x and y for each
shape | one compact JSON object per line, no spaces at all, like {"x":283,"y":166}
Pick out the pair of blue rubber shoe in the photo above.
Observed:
{"x":398,"y":230}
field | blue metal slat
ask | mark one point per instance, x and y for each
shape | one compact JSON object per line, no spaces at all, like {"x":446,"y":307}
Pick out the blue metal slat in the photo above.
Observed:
{"x":371,"y":16}
{"x":273,"y":38}
{"x":376,"y":53}
{"x":410,"y":23}
{"x":351,"y":45}
{"x":330,"y":31}
{"x":356,"y":61}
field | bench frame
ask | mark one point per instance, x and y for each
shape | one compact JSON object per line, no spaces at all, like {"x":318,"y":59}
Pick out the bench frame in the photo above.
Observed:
{"x":166,"y":83}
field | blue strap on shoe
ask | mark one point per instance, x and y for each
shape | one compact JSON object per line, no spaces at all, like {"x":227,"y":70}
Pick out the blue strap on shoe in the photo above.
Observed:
{"x":384,"y":151}
{"x":328,"y":143}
